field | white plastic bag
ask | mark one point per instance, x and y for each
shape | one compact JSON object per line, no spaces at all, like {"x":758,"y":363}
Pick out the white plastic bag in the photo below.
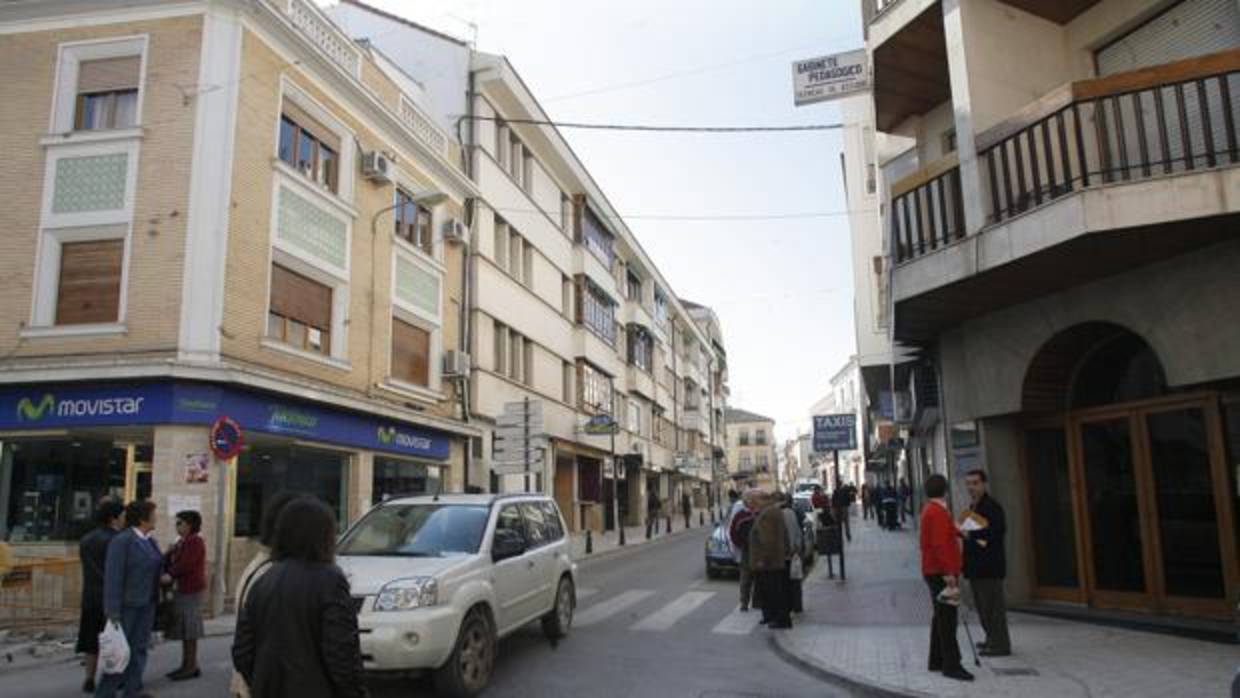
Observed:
{"x":113,"y":649}
{"x":795,"y":569}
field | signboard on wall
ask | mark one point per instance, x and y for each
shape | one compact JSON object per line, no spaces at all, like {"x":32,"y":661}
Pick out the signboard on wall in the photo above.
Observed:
{"x":66,"y":406}
{"x":830,"y":77}
{"x":835,"y":432}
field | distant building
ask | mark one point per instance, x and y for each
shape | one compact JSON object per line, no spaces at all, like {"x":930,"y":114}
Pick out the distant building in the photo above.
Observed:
{"x":752,"y":456}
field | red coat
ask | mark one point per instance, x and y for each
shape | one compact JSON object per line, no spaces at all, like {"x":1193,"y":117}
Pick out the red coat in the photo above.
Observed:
{"x":187,"y":564}
{"x":940,"y":545}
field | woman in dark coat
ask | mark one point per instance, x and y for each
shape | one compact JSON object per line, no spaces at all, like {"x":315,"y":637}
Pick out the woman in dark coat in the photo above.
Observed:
{"x":297,"y":632}
{"x":186,"y":568}
{"x":93,"y":551}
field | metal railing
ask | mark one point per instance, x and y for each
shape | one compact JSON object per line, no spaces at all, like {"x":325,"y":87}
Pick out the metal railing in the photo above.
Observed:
{"x":1118,"y":129}
{"x":927,"y":215}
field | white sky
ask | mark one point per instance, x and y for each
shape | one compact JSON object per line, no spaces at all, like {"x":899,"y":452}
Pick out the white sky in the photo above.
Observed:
{"x":782,"y":288}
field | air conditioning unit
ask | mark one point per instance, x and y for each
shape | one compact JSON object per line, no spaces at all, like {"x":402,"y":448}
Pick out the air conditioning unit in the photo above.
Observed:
{"x":454,"y":231}
{"x":455,"y":363}
{"x":377,"y":167}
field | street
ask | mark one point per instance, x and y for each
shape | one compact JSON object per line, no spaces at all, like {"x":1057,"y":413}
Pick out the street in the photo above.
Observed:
{"x":648,"y":623}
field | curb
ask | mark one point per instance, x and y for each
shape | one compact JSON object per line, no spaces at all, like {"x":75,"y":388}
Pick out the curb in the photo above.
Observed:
{"x":859,"y":686}
{"x":621,"y":551}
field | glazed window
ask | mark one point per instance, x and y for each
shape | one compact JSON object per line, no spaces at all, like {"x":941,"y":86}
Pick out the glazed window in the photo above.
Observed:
{"x":413,"y":222}
{"x":107,"y":93}
{"x":309,"y":148}
{"x":595,"y":310}
{"x":597,"y":239}
{"x":595,"y":388}
{"x":300,"y":311}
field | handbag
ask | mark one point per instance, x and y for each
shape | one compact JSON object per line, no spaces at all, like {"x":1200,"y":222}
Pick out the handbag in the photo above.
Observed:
{"x":796,"y":570}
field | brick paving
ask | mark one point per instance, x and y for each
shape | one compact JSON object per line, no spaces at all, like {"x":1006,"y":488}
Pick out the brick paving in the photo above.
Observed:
{"x":874,"y":630}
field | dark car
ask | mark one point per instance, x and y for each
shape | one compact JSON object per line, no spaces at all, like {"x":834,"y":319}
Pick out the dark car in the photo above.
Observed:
{"x":719,"y":553}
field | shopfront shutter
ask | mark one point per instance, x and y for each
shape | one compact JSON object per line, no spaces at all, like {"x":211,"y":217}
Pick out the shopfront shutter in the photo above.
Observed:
{"x":109,"y":74}
{"x":1191,"y":28}
{"x":299,"y":298}
{"x":90,"y":282}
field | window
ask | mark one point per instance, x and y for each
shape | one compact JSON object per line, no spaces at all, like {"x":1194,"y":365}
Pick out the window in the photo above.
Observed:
{"x":660,"y":307}
{"x":595,"y":310}
{"x":949,"y":141}
{"x":551,"y":520}
{"x":635,"y":417}
{"x":89,"y":289}
{"x":759,"y":437}
{"x":514,"y":354}
{"x":509,"y":519}
{"x":597,"y":239}
{"x":745,"y":462}
{"x":309,"y":148}
{"x":411,"y":353}
{"x":656,"y":423}
{"x":501,"y":243}
{"x":263,"y":471}
{"x":527,"y":264}
{"x":401,"y":477}
{"x":535,"y":524}
{"x":413,"y":222}
{"x":566,"y":214}
{"x":300,"y":311}
{"x":744,"y":437}
{"x":500,"y":360}
{"x":566,"y":296}
{"x":53,"y":486}
{"x":633,"y":287}
{"x":515,"y":258}
{"x":641,"y":347}
{"x":595,"y":393}
{"x":107,"y":93}
{"x":567,"y":385}
{"x":669,"y":378}
{"x":501,"y":142}
{"x":527,"y":170}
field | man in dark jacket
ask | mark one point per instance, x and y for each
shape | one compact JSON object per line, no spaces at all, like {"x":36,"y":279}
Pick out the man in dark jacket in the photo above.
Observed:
{"x":652,"y":511}
{"x":985,"y":566}
{"x":686,"y":506}
{"x":840,"y":502}
{"x":93,"y":552}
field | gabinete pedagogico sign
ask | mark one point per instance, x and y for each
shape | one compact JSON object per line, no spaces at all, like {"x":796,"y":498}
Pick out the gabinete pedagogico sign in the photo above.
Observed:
{"x":830,"y":77}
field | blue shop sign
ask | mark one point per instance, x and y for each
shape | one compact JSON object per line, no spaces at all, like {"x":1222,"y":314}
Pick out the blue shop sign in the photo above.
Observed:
{"x":63,"y":406}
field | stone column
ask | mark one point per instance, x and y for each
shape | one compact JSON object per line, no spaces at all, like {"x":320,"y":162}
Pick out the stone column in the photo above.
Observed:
{"x":361,"y":484}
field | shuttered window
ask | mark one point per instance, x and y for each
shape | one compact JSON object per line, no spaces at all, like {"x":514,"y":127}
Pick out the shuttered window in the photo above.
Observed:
{"x":309,"y":147}
{"x":301,"y":311}
{"x":1191,"y":28}
{"x":90,"y":282}
{"x":107,"y":93}
{"x":411,"y":353}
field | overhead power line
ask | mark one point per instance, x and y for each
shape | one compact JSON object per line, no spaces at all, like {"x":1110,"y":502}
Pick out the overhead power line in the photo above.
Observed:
{"x":656,"y":128}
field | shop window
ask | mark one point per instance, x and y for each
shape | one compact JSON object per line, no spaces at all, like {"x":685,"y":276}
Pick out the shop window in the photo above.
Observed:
{"x":301,"y":311}
{"x":263,"y":471}
{"x":393,"y":478}
{"x":89,"y":290}
{"x":411,"y":351}
{"x":54,"y":486}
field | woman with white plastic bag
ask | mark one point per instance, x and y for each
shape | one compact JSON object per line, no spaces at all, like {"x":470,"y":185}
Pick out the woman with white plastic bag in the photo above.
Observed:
{"x":113,"y":649}
{"x":130,"y":592}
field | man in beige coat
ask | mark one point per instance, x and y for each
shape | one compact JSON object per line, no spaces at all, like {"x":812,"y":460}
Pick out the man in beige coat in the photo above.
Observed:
{"x":768,"y":553}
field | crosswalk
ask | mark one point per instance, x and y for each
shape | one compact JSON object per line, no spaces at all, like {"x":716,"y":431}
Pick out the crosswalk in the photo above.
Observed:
{"x":651,"y":611}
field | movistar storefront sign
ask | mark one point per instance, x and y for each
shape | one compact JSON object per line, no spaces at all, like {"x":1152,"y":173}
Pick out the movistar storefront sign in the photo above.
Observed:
{"x":63,"y":406}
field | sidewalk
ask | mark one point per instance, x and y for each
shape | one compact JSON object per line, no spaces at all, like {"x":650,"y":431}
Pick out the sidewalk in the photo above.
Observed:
{"x":873,"y":631}
{"x":608,"y":543}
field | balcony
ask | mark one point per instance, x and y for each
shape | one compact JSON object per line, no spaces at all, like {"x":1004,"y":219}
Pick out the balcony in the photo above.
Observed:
{"x":910,"y":61}
{"x":1096,"y":178}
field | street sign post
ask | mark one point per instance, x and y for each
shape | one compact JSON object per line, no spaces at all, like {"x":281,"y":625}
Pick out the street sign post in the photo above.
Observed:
{"x":830,"y":77}
{"x":520,"y":440}
{"x":835,"y":433}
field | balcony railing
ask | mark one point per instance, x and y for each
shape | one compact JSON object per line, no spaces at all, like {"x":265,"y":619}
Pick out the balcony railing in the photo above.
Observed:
{"x":1174,"y":118}
{"x":927,"y":210}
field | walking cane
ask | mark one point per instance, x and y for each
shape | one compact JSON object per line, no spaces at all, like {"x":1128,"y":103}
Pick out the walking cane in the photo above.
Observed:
{"x":967,"y":633}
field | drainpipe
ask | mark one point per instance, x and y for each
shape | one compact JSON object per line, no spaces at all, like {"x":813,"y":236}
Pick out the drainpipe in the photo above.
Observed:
{"x":467,"y":252}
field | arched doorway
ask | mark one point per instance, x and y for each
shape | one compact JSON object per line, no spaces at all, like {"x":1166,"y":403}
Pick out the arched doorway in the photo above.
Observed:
{"x":1128,"y":494}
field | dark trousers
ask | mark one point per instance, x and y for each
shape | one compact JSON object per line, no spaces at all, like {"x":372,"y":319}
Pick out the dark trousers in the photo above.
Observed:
{"x":749,"y":596}
{"x":867,"y":509}
{"x":992,"y":611}
{"x":795,"y":596}
{"x":688,"y":512}
{"x":842,"y":517}
{"x":137,"y":624}
{"x":773,"y":590}
{"x":944,"y":652}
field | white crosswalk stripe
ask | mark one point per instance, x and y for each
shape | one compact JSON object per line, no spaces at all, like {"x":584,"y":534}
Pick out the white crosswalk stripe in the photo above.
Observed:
{"x":664,"y":618}
{"x":605,"y":609}
{"x":737,"y":623}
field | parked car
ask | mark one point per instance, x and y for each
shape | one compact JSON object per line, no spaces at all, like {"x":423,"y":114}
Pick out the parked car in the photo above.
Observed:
{"x":437,"y":581}
{"x":719,"y":553}
{"x":809,"y":531}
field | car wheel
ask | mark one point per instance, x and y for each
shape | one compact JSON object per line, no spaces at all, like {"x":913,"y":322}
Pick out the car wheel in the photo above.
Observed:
{"x":469,"y":668}
{"x":556,"y":623}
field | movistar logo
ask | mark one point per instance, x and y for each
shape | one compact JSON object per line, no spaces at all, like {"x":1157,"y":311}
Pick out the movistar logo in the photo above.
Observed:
{"x":27,"y":410}
{"x":387,"y":435}
{"x":391,"y":435}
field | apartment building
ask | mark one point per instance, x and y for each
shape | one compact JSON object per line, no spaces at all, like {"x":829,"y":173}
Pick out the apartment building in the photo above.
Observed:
{"x":1061,"y":231}
{"x":752,"y":458}
{"x":565,"y":307}
{"x":844,"y":396}
{"x":227,"y":213}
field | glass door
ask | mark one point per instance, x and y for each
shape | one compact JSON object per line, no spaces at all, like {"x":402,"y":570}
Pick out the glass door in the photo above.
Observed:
{"x":1052,"y":512}
{"x":1116,"y":554}
{"x":1187,"y":480}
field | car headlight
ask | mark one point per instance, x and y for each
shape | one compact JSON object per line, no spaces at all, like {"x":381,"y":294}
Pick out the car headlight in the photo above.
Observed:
{"x":408,"y":593}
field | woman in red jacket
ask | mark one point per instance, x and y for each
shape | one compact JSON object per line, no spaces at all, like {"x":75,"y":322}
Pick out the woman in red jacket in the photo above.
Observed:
{"x":940,"y":565}
{"x":187,"y":571}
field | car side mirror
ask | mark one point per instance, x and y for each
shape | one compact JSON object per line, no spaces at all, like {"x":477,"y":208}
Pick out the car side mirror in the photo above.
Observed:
{"x":506,"y":544}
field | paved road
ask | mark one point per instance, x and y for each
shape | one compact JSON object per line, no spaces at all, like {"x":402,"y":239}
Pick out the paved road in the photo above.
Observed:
{"x":648,"y":624}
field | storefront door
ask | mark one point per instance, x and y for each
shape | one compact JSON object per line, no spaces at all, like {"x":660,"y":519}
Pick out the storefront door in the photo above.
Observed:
{"x":1142,"y":491}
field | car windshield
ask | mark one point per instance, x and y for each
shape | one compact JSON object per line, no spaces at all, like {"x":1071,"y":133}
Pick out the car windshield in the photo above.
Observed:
{"x":418,"y":530}
{"x":805,"y":487}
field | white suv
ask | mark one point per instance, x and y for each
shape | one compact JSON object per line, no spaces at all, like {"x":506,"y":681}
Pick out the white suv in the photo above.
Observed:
{"x":436,"y":581}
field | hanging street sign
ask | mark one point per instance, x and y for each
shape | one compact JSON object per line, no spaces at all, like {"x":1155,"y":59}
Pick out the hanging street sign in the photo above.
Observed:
{"x":830,"y":77}
{"x":601,"y":424}
{"x":835,"y":432}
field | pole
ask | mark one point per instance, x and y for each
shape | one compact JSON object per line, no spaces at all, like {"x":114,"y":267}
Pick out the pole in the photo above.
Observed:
{"x":526,"y":444}
{"x":615,"y":485}
{"x":219,"y":577}
{"x":843,"y":514}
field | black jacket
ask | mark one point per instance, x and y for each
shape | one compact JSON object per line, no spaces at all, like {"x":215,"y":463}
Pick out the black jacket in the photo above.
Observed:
{"x":297,"y":634}
{"x":989,"y":562}
{"x":93,"y":551}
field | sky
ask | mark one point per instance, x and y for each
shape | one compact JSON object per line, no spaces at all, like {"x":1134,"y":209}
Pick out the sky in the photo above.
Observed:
{"x":782,"y":287}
